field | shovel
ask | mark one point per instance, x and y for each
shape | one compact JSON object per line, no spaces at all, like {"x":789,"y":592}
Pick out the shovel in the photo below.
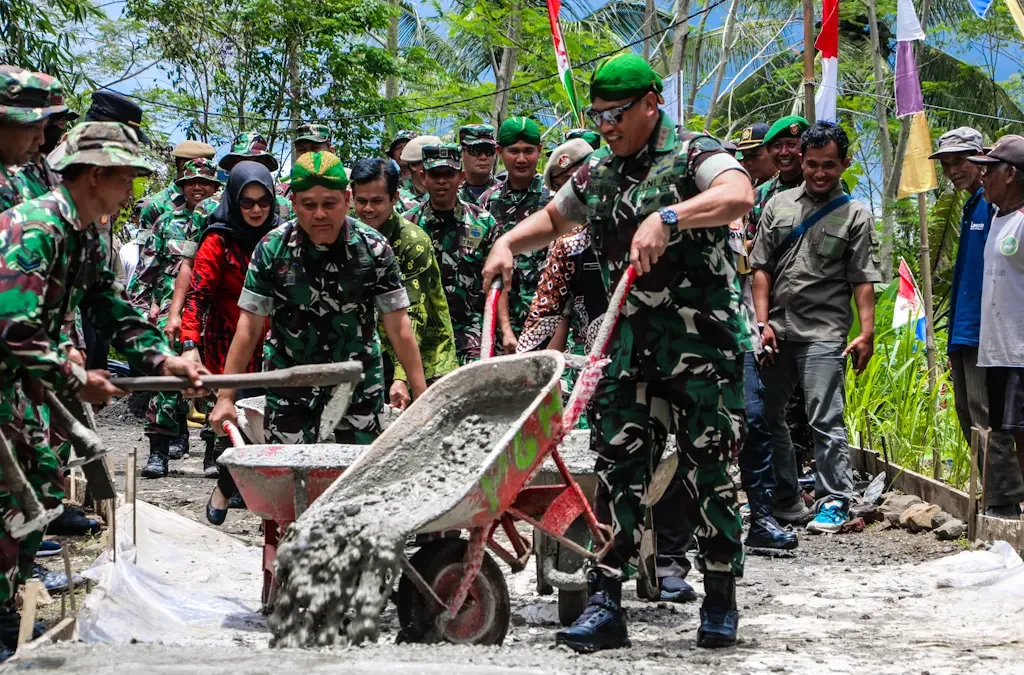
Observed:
{"x":88,"y":445}
{"x":35,"y":515}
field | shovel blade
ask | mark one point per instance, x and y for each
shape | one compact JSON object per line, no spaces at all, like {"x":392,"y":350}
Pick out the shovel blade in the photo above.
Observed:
{"x":335,"y":409}
{"x":660,"y":481}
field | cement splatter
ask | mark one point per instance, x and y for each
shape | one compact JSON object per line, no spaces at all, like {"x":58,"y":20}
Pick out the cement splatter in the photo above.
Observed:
{"x":337,"y":562}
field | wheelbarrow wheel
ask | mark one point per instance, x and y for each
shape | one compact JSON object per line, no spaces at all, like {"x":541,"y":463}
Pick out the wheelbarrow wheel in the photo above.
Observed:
{"x":484,"y":617}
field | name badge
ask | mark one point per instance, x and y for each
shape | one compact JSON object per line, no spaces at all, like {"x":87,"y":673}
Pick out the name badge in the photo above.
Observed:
{"x":473,"y":237}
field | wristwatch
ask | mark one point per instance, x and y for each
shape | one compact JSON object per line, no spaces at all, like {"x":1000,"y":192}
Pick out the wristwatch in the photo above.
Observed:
{"x":668,"y":216}
{"x":187,"y":345}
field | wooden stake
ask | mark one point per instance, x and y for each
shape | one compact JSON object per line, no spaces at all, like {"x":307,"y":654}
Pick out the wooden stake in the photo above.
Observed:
{"x":929,"y":314}
{"x":972,"y":488}
{"x":889,"y":478}
{"x":112,"y":508}
{"x":71,"y":585}
{"x":986,"y":437}
{"x":129,"y":492}
{"x":30,"y":594}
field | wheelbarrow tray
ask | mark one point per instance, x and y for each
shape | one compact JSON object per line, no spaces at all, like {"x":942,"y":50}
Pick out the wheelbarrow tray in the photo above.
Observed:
{"x":510,"y":461}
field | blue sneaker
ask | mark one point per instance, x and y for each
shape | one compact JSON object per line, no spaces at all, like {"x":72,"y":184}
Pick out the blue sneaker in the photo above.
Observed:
{"x":48,"y":548}
{"x":831,"y":517}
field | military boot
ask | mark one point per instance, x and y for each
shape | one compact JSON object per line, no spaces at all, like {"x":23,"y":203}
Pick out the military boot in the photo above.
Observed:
{"x":179,"y":443}
{"x":213,"y":450}
{"x":156,"y":467}
{"x":765,"y":531}
{"x":718,"y":616}
{"x":603,"y":623}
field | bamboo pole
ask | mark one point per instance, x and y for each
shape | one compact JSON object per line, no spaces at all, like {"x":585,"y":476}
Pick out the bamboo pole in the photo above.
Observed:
{"x":809,"y":60}
{"x":929,"y":313}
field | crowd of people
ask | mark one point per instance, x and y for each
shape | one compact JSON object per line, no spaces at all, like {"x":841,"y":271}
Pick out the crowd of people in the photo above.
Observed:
{"x":751,"y":259}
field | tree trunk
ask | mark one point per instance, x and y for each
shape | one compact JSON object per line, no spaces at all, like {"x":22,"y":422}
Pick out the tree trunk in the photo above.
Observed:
{"x":391,"y":85}
{"x":680,"y":36}
{"x":506,"y":71}
{"x":882,"y":116}
{"x":730,"y":23}
{"x":695,"y":71}
{"x":294,"y":82}
{"x":648,"y":18}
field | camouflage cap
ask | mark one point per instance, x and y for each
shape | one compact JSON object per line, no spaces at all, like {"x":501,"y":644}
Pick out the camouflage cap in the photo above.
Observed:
{"x":477,"y":134}
{"x":445,"y":154}
{"x":25,"y":97}
{"x":248,"y":146}
{"x":403,"y":135}
{"x":199,"y":168}
{"x":104,"y":144}
{"x":315,"y":133}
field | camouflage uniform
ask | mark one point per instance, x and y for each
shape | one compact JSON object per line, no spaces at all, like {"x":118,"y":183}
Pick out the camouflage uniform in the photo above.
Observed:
{"x":466,"y":192}
{"x":35,"y":179}
{"x":762,"y":195}
{"x":52,"y":263}
{"x":408,"y":198}
{"x":168,"y":200}
{"x":676,"y":361}
{"x":321,"y":301}
{"x":509,"y":207}
{"x":470,"y":135}
{"x":462,"y":241}
{"x":428,"y":307}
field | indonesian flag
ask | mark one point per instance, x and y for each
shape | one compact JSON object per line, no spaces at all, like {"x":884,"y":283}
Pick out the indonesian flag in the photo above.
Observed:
{"x":564,"y":67}
{"x":909,"y":307}
{"x":828,"y":44}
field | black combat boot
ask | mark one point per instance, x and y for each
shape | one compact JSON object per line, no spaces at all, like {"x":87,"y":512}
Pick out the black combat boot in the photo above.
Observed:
{"x":603,"y":623}
{"x":765,"y":531}
{"x":214,"y":449}
{"x":718,"y":616}
{"x":156,"y":467}
{"x":179,"y":443}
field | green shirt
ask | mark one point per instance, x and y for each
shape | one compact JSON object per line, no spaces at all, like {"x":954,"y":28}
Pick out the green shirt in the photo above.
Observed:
{"x":168,"y":200}
{"x":509,"y":207}
{"x":684,"y":317}
{"x":159,"y":262}
{"x":35,"y":179}
{"x":51,"y":263}
{"x":462,"y":240}
{"x":428,"y":307}
{"x":321,"y":300}
{"x":9,"y":193}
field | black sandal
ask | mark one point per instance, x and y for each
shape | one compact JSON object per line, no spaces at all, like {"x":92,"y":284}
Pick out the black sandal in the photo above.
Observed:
{"x":215,"y":516}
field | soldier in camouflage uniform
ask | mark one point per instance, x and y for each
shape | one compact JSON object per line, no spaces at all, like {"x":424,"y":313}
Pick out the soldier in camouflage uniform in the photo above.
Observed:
{"x":36,"y":178}
{"x":658,"y":199}
{"x":374,"y":194}
{"x":395,"y":149}
{"x":521,"y":194}
{"x":462,"y":235}
{"x":53,"y":261}
{"x":150,"y":291}
{"x":589,"y":136}
{"x":414,"y":192}
{"x":307,"y":138}
{"x":320,"y":279}
{"x":783,"y":145}
{"x":171,"y":198}
{"x":478,"y":151}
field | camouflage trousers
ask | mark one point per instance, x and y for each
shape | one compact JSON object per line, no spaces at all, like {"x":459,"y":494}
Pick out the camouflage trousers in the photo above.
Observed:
{"x":166,"y":408}
{"x":631,"y":421}
{"x":293,"y":416}
{"x":26,"y":428}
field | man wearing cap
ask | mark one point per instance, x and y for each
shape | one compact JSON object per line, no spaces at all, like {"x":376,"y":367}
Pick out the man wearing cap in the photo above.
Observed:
{"x":320,"y":278}
{"x":108,"y":106}
{"x":36,"y":178}
{"x":53,"y":261}
{"x":782,"y":142}
{"x":245,"y":146}
{"x":374,"y":195}
{"x":816,"y":248}
{"x":395,"y":149}
{"x":462,"y":234}
{"x":171,"y":197}
{"x":588,"y":135}
{"x":521,"y":194}
{"x":478,"y":151}
{"x":1003,"y":486}
{"x":1001,"y":345}
{"x":151,"y":290}
{"x":414,"y":191}
{"x":756,"y":158}
{"x":660,"y":200}
{"x":308,"y":138}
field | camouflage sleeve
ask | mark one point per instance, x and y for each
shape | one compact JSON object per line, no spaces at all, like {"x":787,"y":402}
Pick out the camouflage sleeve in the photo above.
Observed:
{"x":284,"y":208}
{"x":27,"y":253}
{"x":763,"y":253}
{"x":389,"y":292}
{"x":197,"y":223}
{"x":493,"y":232}
{"x":416,"y":266}
{"x":257,"y":296}
{"x":147,"y":272}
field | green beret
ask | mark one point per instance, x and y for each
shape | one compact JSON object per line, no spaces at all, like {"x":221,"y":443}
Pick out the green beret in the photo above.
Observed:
{"x":623,"y":76}
{"x":318,"y":168}
{"x":788,"y":127}
{"x":516,"y":129}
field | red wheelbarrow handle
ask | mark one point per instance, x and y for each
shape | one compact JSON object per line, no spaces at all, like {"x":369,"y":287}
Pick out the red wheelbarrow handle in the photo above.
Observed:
{"x":490,"y":328}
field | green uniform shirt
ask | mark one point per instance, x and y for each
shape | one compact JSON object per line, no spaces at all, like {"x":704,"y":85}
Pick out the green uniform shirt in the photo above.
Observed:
{"x":462,"y":241}
{"x":50,"y":264}
{"x":508,"y":207}
{"x":159,"y":262}
{"x":812,"y":282}
{"x":321,"y":299}
{"x":35,"y":179}
{"x":684,"y":316}
{"x":471,"y":194}
{"x":9,"y":193}
{"x":168,"y":200}
{"x":204,"y":209}
{"x":428,"y":307}
{"x":408,"y":198}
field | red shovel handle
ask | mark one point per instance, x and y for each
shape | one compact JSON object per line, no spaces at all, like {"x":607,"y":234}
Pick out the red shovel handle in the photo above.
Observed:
{"x":491,"y":318}
{"x":234,"y":435}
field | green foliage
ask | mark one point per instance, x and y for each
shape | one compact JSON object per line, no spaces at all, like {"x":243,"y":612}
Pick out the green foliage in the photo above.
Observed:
{"x":33,"y":34}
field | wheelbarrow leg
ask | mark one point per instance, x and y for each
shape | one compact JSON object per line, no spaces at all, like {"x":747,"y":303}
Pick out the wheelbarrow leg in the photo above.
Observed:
{"x":471,"y":567}
{"x":436,"y":603}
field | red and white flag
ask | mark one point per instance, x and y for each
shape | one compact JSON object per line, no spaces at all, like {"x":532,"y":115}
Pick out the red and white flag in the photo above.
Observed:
{"x":564,"y":67}
{"x":828,"y":44}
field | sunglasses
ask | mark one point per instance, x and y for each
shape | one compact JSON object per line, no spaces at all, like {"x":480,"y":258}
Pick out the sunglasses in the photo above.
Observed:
{"x":247,"y":204}
{"x":480,"y":150}
{"x":612,"y":115}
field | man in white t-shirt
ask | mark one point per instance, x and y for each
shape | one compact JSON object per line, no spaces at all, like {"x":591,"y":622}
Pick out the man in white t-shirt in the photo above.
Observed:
{"x":1001,"y":342}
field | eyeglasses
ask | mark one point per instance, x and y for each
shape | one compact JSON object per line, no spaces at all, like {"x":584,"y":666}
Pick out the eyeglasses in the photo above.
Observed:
{"x":247,"y":204}
{"x":613,"y":115}
{"x":480,"y":150}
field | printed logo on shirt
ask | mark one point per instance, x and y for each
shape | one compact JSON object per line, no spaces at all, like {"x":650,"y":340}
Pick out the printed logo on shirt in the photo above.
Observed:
{"x":977,"y":226}
{"x":1009,"y":244}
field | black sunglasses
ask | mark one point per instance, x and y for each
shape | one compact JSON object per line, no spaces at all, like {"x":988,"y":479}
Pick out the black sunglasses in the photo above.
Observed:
{"x":247,"y":204}
{"x":612,"y":115}
{"x":480,"y":150}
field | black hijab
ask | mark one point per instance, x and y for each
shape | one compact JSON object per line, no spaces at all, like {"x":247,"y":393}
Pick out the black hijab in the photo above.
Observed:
{"x":227,"y":217}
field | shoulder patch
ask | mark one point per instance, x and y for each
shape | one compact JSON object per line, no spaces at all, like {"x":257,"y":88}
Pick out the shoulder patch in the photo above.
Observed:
{"x":28,"y":262}
{"x":705,"y":144}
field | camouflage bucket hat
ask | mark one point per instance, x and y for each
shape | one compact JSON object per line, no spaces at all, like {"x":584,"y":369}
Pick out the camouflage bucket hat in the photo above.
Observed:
{"x":201,"y":169}
{"x":25,"y":97}
{"x":447,"y":154}
{"x":104,"y":144}
{"x":403,"y":135}
{"x":477,"y":134}
{"x":248,"y":146}
{"x":316,"y":133}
